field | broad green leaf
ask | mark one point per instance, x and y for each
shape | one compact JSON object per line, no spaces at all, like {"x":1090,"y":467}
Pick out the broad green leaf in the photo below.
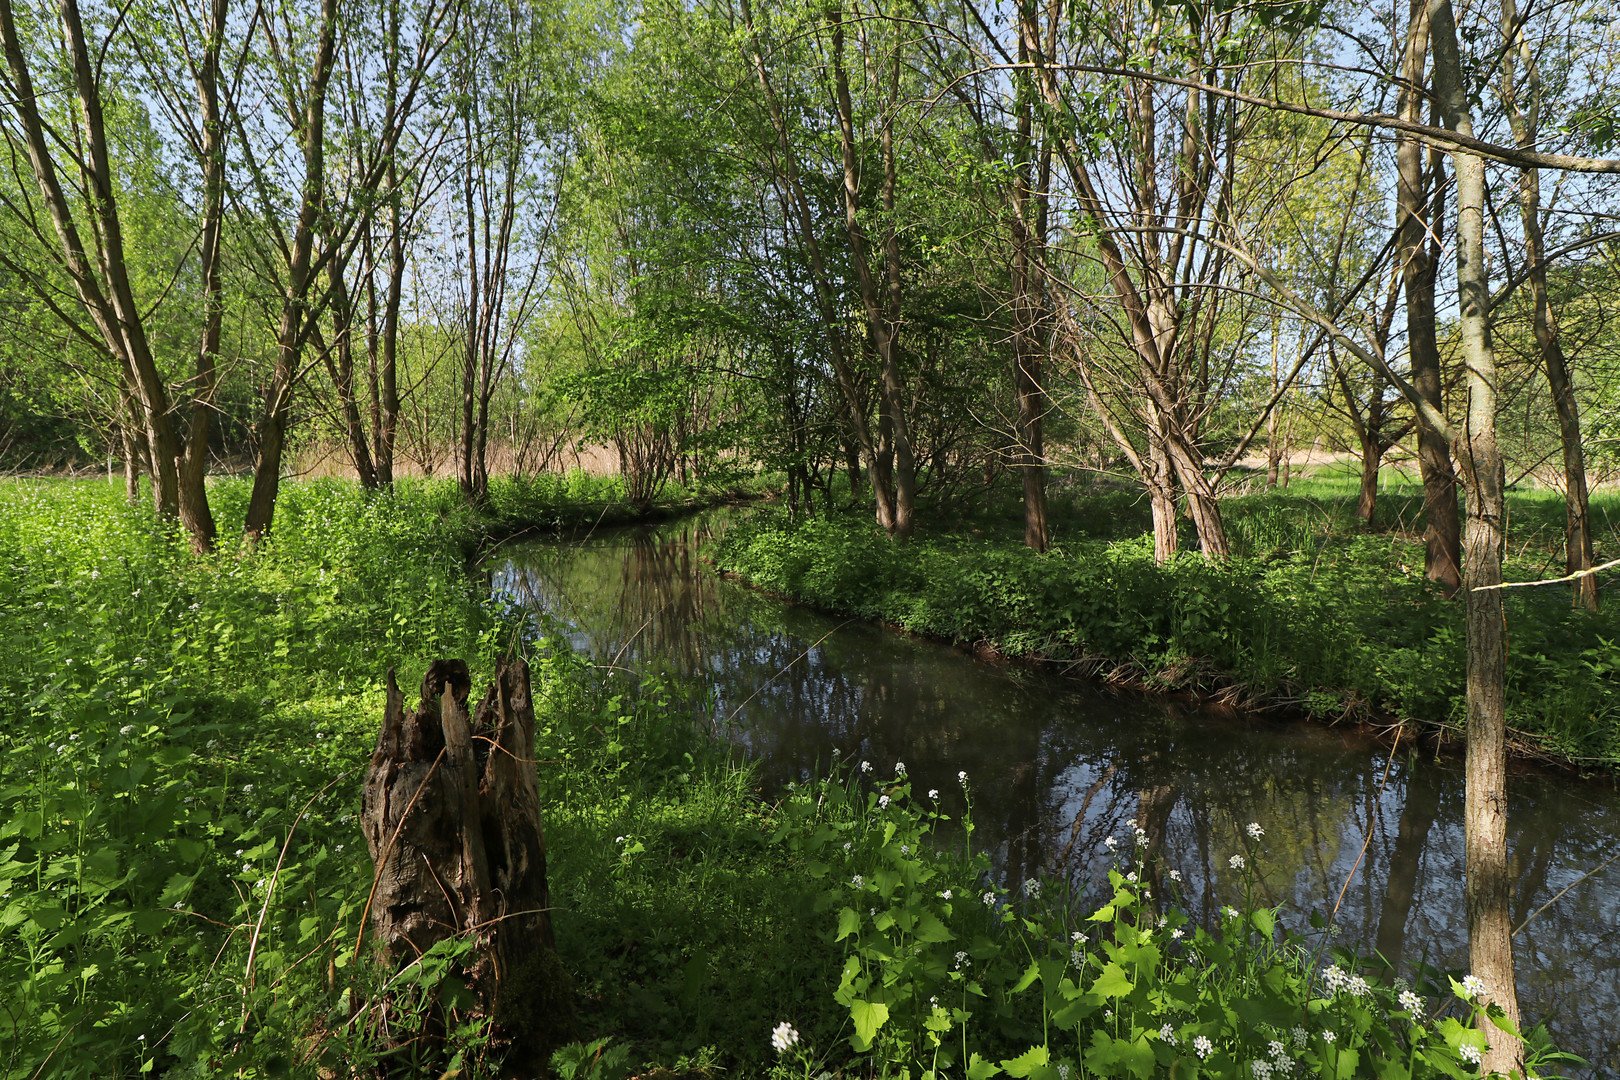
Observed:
{"x":1027,"y":1062}
{"x":867,"y":1016}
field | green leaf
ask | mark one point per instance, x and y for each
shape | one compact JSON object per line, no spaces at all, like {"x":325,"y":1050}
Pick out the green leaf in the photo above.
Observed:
{"x":1113,"y":982}
{"x":980,"y":1069}
{"x":867,"y":1016}
{"x":1027,"y":1062}
{"x":849,"y":921}
{"x":930,"y":929}
{"x":1030,"y":974}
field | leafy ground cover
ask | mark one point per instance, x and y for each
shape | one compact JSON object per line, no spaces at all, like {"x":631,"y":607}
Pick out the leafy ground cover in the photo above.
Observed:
{"x":1312,"y":612}
{"x":182,"y":875}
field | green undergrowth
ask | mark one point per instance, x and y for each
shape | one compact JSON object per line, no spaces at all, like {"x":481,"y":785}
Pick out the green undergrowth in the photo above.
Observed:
{"x":1330,"y":621}
{"x":183,"y":877}
{"x":181,"y":867}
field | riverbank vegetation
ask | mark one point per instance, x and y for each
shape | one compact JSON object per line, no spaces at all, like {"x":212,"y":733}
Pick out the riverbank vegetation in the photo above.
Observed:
{"x":184,"y":879}
{"x":1313,"y":611}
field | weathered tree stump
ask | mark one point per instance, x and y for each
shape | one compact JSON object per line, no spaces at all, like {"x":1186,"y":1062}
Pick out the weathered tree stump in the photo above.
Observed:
{"x":452,"y":818}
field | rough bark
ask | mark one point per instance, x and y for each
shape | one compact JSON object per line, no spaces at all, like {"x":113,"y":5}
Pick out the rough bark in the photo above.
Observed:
{"x":293,"y":329}
{"x":1418,"y":204}
{"x":1486,"y":891}
{"x":1525,"y":116}
{"x":452,"y":819}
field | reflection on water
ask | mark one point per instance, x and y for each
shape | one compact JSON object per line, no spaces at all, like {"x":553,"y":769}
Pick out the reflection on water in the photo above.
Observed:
{"x":1057,"y":766}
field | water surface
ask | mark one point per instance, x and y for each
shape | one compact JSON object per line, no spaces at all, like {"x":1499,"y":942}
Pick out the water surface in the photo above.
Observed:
{"x":1058,"y":765}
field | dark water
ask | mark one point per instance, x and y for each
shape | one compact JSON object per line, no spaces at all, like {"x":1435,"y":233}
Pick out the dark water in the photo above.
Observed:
{"x":1058,"y":765}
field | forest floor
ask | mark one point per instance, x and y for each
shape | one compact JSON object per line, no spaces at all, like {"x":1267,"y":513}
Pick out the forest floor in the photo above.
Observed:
{"x":183,"y":879}
{"x":1316,"y":612}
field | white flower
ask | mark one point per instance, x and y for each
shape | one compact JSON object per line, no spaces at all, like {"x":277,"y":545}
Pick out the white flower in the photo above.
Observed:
{"x":247,"y":789}
{"x":899,"y":768}
{"x":848,"y":845}
{"x":1284,"y":1066}
{"x":989,"y":898}
{"x":866,"y":766}
{"x":1231,"y":912}
{"x":933,"y":793}
{"x":905,"y":849}
{"x":1063,"y":1072}
{"x":1357,"y":986}
{"x":1168,"y":1034}
{"x":1262,"y":1069}
{"x":1470,"y":1053}
{"x":1203,"y":1046}
{"x":1335,"y":979}
{"x":1300,"y":1036}
{"x":1108,"y":1015}
{"x":1032,"y":888}
{"x":1254,"y":830}
{"x":1174,"y":875}
{"x":857,"y":881}
{"x":883,"y":802}
{"x":1110,"y":843}
{"x":1076,"y":936}
{"x":618,"y":839}
{"x":946,"y":895}
{"x":1275,"y":1048}
{"x":1077,"y":958}
{"x":961,"y":958}
{"x":126,"y":729}
{"x":1411,"y":1002}
{"x":1131,"y":877}
{"x":1472,"y":986}
{"x":1328,"y":1036}
{"x":1236,"y":861}
{"x":961,"y":778}
{"x":784,"y":1037}
{"x":791,"y":786}
{"x":1176,"y":933}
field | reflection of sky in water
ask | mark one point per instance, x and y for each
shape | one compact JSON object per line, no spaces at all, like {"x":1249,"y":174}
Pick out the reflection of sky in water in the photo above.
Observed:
{"x":1057,"y":765}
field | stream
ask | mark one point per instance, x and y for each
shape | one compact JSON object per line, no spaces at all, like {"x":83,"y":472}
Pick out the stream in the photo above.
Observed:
{"x":1058,"y":765}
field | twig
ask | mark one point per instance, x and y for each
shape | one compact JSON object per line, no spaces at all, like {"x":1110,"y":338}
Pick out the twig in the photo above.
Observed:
{"x":1564,"y":890}
{"x":1576,"y":576}
{"x":253,"y":945}
{"x":1362,"y":853}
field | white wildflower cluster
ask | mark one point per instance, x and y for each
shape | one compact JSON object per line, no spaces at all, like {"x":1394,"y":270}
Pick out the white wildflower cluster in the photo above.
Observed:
{"x":1077,"y":957}
{"x":866,"y":766}
{"x":989,"y":898}
{"x":784,"y":1037}
{"x":946,"y":895}
{"x":1063,"y":1072}
{"x":1470,"y":1053}
{"x":1141,"y":834}
{"x":1281,"y":1064}
{"x":1261,"y":1069}
{"x":1231,"y":912}
{"x":1173,"y":875}
{"x":858,"y":882}
{"x":961,"y":958}
{"x":1254,"y":830}
{"x":1411,"y":1002}
{"x":961,"y":778}
{"x":1329,"y":1036}
{"x":1168,"y":1034}
{"x":1110,"y":843}
{"x":1032,"y":888}
{"x":1300,"y":1037}
{"x":1236,"y":861}
{"x":899,"y":768}
{"x":1203,"y":1046}
{"x":1176,"y":933}
{"x":933,"y":793}
{"x":1472,"y":987}
{"x":883,"y":802}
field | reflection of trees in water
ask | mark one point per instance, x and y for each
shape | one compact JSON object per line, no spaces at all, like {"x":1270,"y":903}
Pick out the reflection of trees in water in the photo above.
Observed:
{"x":1057,"y":766}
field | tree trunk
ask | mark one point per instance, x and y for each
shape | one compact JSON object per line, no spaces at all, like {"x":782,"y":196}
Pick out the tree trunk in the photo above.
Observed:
{"x":294,"y":308}
{"x":1418,"y":202}
{"x":452,"y":820}
{"x":1486,"y":890}
{"x":1525,"y":118}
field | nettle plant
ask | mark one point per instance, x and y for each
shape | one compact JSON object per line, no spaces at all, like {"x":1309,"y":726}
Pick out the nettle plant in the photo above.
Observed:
{"x":948,"y":974}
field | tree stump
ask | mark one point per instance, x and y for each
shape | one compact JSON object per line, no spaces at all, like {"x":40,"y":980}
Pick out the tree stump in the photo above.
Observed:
{"x":452,"y":818}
